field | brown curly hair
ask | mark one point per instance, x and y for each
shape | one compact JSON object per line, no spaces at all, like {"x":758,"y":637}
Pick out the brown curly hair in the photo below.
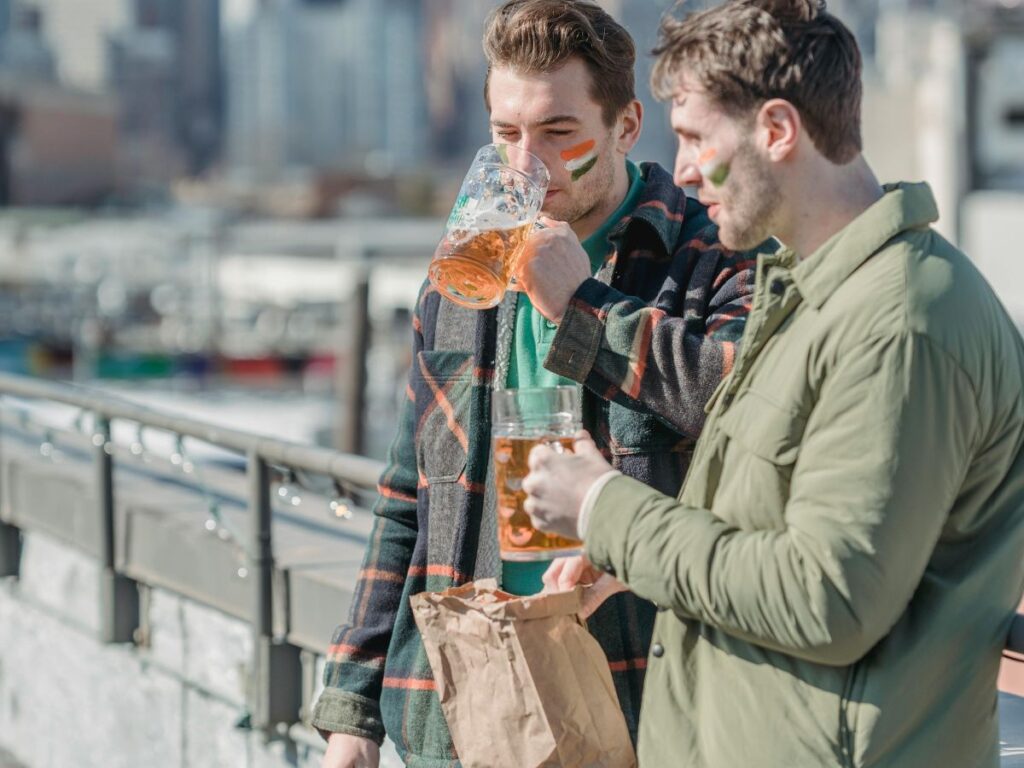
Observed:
{"x":745,"y":52}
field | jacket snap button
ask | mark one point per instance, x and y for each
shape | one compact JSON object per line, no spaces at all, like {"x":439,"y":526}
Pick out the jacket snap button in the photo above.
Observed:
{"x":777,"y":287}
{"x":657,"y":650}
{"x":610,"y":569}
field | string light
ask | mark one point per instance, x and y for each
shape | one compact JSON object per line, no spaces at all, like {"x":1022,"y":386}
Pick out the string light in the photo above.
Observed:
{"x":341,"y":504}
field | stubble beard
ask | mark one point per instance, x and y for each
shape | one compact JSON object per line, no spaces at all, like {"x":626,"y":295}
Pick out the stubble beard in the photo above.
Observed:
{"x":590,"y":192}
{"x":751,"y":211}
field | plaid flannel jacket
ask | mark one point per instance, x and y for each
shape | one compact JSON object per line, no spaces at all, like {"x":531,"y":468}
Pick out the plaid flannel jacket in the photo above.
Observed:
{"x":649,"y":337}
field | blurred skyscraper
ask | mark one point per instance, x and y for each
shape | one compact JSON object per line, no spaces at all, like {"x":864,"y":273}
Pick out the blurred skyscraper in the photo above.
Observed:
{"x":24,"y":52}
{"x":166,"y":70}
{"x":5,"y":18}
{"x":327,"y":85}
{"x":453,"y":80}
{"x":195,"y":31}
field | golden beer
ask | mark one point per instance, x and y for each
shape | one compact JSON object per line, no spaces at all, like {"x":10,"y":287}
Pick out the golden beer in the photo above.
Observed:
{"x":517,"y":538}
{"x":497,"y":206}
{"x":473,"y":267}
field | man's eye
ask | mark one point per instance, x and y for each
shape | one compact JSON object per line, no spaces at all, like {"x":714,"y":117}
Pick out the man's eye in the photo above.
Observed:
{"x":507,"y":135}
{"x":560,"y":132}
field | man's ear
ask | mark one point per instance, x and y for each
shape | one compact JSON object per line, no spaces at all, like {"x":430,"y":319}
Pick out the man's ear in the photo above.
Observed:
{"x":778,"y":126}
{"x":629,"y":125}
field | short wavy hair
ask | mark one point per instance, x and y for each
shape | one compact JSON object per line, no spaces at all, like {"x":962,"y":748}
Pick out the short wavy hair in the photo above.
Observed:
{"x":745,"y":52}
{"x":542,"y":35}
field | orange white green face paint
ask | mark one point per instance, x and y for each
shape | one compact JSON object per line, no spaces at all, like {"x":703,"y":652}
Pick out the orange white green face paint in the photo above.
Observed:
{"x":581,"y":159}
{"x":711,"y":168}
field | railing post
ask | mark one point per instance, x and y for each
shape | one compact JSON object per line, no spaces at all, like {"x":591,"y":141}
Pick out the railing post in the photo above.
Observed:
{"x":119,"y":595}
{"x":352,"y":378}
{"x":10,"y":550}
{"x":10,"y":542}
{"x":276,"y":670}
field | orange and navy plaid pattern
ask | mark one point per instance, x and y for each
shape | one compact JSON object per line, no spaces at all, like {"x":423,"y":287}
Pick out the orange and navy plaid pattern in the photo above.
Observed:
{"x":650,"y":348}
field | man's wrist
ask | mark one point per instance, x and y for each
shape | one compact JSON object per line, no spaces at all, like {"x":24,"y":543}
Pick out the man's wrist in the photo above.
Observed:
{"x":590,"y":499}
{"x":339,"y":711}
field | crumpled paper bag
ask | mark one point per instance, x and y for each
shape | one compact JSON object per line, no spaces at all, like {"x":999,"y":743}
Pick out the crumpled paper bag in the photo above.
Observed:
{"x":522,"y":683}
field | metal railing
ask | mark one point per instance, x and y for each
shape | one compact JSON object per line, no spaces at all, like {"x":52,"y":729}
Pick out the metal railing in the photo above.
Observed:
{"x":277,"y":669}
{"x":277,"y":665}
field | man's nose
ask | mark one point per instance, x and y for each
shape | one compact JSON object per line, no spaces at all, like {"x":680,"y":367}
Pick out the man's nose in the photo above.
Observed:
{"x":687,"y":174}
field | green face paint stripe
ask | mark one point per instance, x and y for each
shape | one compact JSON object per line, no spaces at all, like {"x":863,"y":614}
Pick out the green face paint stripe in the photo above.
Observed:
{"x":719,"y":175}
{"x":584,"y":169}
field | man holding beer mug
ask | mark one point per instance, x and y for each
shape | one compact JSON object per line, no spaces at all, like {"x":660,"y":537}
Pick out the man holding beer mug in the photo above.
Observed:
{"x":626,"y":290}
{"x":840,"y":570}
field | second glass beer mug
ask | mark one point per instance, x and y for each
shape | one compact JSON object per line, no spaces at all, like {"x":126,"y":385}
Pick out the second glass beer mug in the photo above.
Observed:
{"x":497,"y":207}
{"x":521,"y":419}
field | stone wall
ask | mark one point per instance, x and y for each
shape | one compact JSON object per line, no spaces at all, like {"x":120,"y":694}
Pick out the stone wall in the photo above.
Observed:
{"x":175,"y":702}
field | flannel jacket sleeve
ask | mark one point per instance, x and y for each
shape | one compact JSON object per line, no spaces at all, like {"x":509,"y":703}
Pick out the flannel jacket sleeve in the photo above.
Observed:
{"x":640,"y":356}
{"x":354,"y":670}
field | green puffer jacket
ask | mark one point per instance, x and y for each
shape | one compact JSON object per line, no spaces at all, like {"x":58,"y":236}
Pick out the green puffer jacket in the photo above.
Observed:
{"x":839,"y":573}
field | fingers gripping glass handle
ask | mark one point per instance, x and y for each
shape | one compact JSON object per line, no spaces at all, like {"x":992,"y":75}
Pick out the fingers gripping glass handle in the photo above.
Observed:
{"x":554,"y":445}
{"x":513,"y":280}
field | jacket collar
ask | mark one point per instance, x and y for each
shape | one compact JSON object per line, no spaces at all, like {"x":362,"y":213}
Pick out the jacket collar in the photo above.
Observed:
{"x":903,"y":207}
{"x":661,"y":207}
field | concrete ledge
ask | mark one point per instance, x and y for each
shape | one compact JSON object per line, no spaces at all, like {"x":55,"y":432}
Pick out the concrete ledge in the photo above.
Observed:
{"x":67,"y":699}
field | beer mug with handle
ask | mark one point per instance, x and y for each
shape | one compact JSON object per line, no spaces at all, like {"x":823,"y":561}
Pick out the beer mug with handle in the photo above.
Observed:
{"x":521,"y":419}
{"x":495,"y":212}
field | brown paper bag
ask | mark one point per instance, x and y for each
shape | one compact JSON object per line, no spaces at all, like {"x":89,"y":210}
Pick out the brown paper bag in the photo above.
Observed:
{"x":522,"y":682}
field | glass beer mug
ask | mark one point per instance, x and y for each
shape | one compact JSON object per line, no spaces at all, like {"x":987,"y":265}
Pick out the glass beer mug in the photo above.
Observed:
{"x":521,"y":419}
{"x":497,"y":208}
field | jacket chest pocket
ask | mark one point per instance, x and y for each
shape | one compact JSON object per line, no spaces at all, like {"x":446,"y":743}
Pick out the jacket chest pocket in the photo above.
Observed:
{"x":757,"y":463}
{"x":443,"y":383}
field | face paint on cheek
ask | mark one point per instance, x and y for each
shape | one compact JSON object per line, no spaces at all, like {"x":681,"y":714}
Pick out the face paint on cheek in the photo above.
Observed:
{"x":581,"y":159}
{"x":711,"y":168}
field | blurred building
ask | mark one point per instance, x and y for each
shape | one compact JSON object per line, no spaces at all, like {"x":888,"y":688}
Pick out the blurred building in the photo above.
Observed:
{"x":140,"y":66}
{"x":326,"y":85}
{"x":5,"y":20}
{"x":24,"y":52}
{"x":165,"y":68}
{"x":454,"y":87}
{"x":57,"y":145}
{"x":379,"y":86}
{"x":198,"y":93}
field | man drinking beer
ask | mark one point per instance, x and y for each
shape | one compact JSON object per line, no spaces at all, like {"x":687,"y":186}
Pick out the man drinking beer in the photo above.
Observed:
{"x":627,"y":291}
{"x":840,"y":571}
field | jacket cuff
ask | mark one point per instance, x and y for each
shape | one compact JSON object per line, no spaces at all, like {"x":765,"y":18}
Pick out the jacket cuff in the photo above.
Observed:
{"x":343,"y":712}
{"x":608,"y":521}
{"x":589,"y":499}
{"x":578,"y":339}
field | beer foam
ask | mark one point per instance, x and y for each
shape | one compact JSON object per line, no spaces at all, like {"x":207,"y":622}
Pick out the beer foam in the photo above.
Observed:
{"x":473,"y":223}
{"x":490,"y":219}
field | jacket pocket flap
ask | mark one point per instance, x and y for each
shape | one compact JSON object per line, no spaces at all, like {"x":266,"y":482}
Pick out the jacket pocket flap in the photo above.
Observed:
{"x":443,"y":384}
{"x":765,"y":428}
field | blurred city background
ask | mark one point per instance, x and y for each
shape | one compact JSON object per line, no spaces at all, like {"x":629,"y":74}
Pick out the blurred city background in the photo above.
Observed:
{"x":186,"y":184}
{"x":223,"y":209}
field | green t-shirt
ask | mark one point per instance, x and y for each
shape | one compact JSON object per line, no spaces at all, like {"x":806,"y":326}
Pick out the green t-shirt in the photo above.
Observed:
{"x":530,"y":345}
